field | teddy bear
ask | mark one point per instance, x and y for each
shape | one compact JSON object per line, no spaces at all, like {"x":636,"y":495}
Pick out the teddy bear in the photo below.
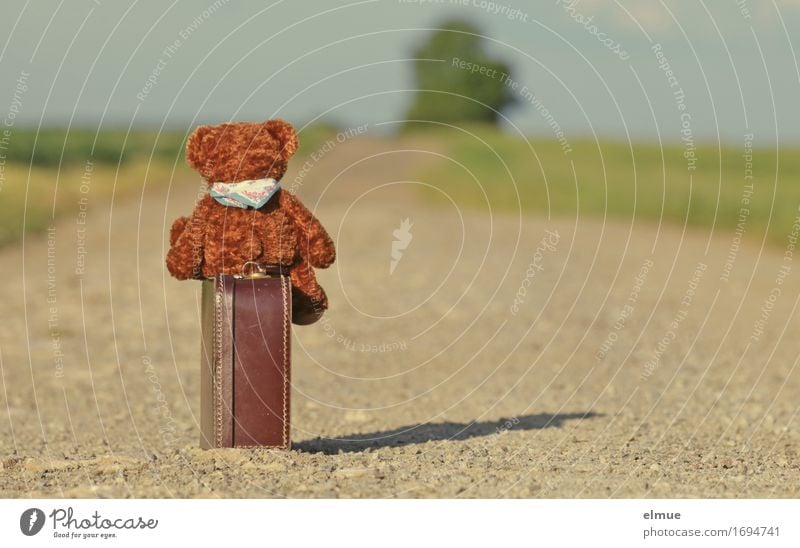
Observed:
{"x":246,"y":219}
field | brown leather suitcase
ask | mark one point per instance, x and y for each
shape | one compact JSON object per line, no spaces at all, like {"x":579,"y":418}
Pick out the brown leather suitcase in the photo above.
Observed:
{"x":245,"y":381}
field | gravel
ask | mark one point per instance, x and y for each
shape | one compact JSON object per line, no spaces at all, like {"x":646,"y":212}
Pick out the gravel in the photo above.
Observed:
{"x":599,"y":359}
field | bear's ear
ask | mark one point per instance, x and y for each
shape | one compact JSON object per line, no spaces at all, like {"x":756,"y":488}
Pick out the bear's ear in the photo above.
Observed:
{"x":286,"y":136}
{"x":196,"y":147}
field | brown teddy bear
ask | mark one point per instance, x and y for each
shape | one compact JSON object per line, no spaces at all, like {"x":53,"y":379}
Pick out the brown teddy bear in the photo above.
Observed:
{"x":246,"y":217}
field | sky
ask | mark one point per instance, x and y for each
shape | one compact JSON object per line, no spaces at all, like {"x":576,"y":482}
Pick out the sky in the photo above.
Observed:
{"x":705,"y":70}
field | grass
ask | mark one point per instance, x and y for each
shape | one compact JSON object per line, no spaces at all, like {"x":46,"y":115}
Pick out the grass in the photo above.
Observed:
{"x":31,"y":202}
{"x":53,"y":147}
{"x":643,"y":182}
{"x":487,"y":166}
{"x":45,"y":175}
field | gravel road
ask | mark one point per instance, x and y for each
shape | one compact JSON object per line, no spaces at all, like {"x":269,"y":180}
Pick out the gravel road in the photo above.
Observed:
{"x":502,"y":357}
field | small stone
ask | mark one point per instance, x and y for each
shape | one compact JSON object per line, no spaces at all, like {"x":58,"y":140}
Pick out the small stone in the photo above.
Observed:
{"x":352,"y":472}
{"x":356,"y":415}
{"x":32,"y":465}
{"x":273,"y":467}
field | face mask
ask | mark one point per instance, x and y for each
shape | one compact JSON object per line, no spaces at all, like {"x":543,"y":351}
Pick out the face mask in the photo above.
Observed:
{"x":254,"y":193}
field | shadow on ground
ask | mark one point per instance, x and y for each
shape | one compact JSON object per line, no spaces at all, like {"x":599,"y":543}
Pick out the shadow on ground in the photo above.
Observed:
{"x":445,"y":431}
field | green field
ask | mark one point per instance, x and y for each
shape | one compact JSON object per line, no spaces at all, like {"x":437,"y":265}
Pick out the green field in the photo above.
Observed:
{"x":41,"y":177}
{"x":489,"y":168}
{"x":45,"y":174}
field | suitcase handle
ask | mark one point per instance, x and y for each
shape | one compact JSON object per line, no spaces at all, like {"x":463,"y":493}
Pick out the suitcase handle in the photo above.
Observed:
{"x":259,"y":270}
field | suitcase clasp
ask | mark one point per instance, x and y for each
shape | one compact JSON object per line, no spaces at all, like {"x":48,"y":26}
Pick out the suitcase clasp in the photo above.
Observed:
{"x":258,"y":271}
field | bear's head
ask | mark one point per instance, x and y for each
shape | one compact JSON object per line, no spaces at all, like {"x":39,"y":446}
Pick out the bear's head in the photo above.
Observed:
{"x":239,"y":151}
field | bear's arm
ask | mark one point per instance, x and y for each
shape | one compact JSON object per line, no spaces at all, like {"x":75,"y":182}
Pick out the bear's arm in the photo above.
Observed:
{"x":185,"y":256}
{"x":315,"y":245}
{"x":177,"y":229}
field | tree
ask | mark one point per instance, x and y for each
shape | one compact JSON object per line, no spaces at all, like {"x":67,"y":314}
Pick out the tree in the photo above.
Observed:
{"x":466,"y":85}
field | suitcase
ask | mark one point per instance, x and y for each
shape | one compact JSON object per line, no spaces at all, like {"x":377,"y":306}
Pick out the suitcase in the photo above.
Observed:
{"x":246,"y":350}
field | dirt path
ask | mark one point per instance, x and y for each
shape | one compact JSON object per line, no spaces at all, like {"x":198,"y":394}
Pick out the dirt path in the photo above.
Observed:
{"x":606,"y":375}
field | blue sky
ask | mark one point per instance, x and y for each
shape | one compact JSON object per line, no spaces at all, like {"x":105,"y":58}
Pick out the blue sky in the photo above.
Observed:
{"x":153,"y":63}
